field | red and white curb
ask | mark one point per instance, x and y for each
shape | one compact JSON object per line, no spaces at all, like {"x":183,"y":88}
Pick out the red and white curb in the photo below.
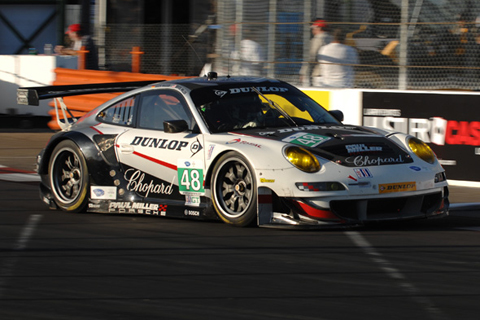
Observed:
{"x":17,"y":175}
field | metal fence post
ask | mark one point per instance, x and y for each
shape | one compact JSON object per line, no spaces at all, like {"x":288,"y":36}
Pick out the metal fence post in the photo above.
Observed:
{"x":82,"y":55}
{"x":136,"y":59}
{"x":402,"y":75}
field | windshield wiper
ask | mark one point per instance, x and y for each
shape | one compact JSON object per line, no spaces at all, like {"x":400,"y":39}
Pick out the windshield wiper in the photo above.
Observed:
{"x":275,"y":106}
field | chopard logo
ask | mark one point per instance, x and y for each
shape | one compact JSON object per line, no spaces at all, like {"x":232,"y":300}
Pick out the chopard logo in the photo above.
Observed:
{"x":363,"y":161}
{"x":135,"y":183}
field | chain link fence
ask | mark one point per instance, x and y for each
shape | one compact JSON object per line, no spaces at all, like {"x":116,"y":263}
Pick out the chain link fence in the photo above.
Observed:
{"x":403,"y":44}
{"x":167,"y":49}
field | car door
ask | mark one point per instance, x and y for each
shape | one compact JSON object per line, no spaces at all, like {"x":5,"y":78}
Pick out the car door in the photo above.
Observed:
{"x":159,"y":163}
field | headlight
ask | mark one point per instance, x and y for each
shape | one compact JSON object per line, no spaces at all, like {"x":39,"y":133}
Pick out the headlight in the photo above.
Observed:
{"x":302,"y":159}
{"x":421,"y":149}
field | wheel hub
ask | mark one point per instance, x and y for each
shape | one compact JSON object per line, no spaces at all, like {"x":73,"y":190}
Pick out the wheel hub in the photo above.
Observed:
{"x":74,"y":175}
{"x":240,"y":187}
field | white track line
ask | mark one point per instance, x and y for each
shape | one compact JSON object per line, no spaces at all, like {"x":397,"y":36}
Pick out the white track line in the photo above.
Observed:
{"x":7,"y":266}
{"x":433,"y":311}
{"x":19,"y":176}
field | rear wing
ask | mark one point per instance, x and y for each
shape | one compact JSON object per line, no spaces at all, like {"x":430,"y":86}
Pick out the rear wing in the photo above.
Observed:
{"x":32,"y":95}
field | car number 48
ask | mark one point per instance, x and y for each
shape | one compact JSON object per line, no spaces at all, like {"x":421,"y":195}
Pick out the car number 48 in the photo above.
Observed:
{"x":190,"y":176}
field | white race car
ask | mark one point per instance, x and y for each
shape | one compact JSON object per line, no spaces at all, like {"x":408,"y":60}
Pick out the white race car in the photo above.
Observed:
{"x":241,"y":149}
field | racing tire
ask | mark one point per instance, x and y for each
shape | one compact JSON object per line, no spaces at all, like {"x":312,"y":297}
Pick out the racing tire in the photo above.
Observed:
{"x":68,"y":175}
{"x":234,"y":190}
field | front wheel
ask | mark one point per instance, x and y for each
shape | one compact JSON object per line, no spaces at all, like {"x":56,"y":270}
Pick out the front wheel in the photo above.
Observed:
{"x":68,"y":176}
{"x":234,"y":191}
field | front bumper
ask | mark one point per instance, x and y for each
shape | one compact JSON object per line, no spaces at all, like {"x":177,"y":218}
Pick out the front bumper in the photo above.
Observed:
{"x":309,"y":213}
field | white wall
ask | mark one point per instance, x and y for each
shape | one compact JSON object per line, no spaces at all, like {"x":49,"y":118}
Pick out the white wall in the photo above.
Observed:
{"x":28,"y":71}
{"x":349,"y":101}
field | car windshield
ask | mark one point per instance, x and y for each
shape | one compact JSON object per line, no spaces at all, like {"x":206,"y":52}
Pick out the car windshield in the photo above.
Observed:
{"x":232,"y":108}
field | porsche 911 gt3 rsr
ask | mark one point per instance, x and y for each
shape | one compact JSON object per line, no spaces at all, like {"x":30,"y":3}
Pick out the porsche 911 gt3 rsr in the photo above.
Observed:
{"x":241,"y":149}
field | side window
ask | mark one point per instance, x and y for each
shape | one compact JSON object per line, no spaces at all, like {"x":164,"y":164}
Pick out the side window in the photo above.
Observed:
{"x":120,"y":113}
{"x":162,"y":105}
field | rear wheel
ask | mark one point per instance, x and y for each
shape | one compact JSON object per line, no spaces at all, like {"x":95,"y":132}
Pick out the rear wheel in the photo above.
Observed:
{"x":234,"y":191}
{"x":68,"y":176}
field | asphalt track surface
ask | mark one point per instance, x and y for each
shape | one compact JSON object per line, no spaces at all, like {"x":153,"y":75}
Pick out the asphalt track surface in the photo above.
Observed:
{"x":56,"y":265}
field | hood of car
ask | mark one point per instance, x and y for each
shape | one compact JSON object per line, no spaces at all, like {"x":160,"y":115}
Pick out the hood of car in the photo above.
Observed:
{"x":350,"y":146}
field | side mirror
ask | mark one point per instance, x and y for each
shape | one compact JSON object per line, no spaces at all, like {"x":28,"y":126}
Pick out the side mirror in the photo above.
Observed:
{"x":174,"y":126}
{"x":337,"y":114}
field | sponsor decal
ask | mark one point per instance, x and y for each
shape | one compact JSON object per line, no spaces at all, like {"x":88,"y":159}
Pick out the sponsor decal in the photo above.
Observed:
{"x":305,"y":128}
{"x":363,"y":173}
{"x":94,"y":206}
{"x":103,"y":193}
{"x":397,"y":187}
{"x":220,"y":93}
{"x":137,"y":208}
{"x":261,"y":89}
{"x":415,"y":168}
{"x":159,"y":143}
{"x":365,"y":161}
{"x":133,"y":205}
{"x":195,"y":147}
{"x":306,"y":139}
{"x":190,"y":177}
{"x":361,"y":184}
{"x":308,"y":186}
{"x":135,"y":179}
{"x":192,"y":200}
{"x":240,"y":141}
{"x":362,"y":148}
{"x":194,"y":213}
{"x":267,"y":180}
{"x":210,"y":151}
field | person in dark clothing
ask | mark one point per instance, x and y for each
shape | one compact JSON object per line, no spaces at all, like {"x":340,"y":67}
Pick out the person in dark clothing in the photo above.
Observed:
{"x":79,"y":40}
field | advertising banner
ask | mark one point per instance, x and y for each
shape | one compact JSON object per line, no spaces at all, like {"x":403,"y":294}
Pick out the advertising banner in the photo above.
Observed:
{"x":449,"y":123}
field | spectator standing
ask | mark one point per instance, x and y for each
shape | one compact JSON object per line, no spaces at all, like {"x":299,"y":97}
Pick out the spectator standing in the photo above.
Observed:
{"x":337,"y":62}
{"x":310,"y":69}
{"x":78,"y":40}
{"x":250,"y":57}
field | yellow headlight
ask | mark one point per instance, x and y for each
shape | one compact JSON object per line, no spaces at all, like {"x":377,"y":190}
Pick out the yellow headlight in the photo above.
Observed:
{"x":421,"y":149}
{"x":302,"y":159}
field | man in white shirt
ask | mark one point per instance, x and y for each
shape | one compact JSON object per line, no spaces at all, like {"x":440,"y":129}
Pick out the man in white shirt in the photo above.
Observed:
{"x":250,"y":58}
{"x":337,"y":63}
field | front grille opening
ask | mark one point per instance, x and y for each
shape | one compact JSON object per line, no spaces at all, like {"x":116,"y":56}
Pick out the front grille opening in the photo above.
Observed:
{"x":431,"y":202}
{"x":356,"y":209}
{"x":388,"y":208}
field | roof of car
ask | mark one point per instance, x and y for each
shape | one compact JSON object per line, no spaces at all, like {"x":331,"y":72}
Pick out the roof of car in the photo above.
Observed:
{"x":195,"y":83}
